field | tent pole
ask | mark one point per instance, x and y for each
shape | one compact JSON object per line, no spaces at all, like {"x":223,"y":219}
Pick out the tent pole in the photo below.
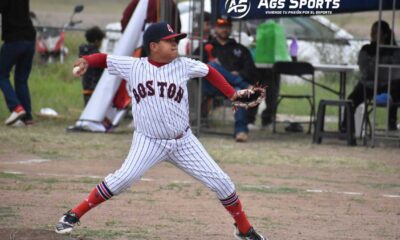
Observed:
{"x":376,"y":74}
{"x":393,"y":18}
{"x":199,"y":99}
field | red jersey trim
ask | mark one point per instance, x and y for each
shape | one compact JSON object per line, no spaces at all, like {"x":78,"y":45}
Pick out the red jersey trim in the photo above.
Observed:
{"x":97,"y":60}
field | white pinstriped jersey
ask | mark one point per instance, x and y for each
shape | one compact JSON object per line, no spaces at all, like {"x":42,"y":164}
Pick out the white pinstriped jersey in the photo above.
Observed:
{"x":161,"y":111}
{"x":160,"y":105}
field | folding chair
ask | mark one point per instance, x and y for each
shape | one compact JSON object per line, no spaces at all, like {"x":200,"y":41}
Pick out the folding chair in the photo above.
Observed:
{"x":366,"y":126}
{"x":295,"y":69}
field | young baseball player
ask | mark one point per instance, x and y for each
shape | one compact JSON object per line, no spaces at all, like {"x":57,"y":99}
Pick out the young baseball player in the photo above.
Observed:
{"x":160,"y":108}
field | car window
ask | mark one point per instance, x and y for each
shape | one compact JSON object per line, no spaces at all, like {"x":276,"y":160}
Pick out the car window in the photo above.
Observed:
{"x":302,"y":27}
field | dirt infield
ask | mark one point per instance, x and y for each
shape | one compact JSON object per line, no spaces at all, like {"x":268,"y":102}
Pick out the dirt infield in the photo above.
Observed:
{"x":31,"y":234}
{"x":291,"y":189}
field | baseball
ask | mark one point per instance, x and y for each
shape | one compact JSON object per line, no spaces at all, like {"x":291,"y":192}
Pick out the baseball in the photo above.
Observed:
{"x":75,"y":70}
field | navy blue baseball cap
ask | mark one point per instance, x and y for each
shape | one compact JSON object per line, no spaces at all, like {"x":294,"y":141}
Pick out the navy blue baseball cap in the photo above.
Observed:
{"x":160,"y":31}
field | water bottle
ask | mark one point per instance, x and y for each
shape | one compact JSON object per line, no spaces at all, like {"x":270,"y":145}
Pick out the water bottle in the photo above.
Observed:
{"x":294,"y":48}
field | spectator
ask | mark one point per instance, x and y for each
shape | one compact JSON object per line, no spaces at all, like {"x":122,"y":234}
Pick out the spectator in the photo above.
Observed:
{"x":366,"y":62}
{"x":194,"y":38}
{"x":235,"y":63}
{"x":94,"y":36}
{"x":207,"y":26}
{"x":18,"y":49}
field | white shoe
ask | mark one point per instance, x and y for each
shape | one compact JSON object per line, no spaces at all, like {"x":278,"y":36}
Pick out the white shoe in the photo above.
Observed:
{"x":15,"y":116}
{"x":18,"y":124}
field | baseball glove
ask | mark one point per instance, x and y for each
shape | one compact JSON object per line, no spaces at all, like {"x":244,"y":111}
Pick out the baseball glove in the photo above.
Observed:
{"x":248,"y":98}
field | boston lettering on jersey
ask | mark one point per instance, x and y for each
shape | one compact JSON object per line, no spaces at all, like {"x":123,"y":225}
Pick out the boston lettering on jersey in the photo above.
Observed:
{"x":165,"y":90}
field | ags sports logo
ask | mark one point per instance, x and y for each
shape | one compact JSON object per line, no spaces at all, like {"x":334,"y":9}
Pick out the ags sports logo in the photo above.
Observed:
{"x":238,"y":8}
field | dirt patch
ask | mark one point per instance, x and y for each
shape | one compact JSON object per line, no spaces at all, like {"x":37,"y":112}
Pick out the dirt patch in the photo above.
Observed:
{"x":34,"y":234}
{"x":290,"y":188}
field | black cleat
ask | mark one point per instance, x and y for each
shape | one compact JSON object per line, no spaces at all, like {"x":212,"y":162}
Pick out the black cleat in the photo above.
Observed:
{"x":67,"y":223}
{"x":250,"y":235}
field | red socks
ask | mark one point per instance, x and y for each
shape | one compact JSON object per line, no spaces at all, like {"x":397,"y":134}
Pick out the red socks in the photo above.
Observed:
{"x":98,"y":195}
{"x":101,"y":193}
{"x":234,"y":207}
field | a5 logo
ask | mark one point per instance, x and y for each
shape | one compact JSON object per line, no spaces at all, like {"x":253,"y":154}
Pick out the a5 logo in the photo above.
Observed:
{"x":237,"y":8}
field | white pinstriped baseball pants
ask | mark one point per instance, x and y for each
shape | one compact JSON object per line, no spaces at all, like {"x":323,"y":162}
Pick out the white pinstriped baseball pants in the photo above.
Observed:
{"x":187,"y":153}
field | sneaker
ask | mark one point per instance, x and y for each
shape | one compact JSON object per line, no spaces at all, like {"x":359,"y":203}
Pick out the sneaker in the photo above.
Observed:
{"x":67,"y":223}
{"x":250,"y":235}
{"x":17,"y":114}
{"x":241,"y":137}
{"x":22,"y":123}
{"x":18,"y":124}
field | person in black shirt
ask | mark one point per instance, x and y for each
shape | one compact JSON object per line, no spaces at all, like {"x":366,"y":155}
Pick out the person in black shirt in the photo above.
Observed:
{"x":94,"y":36}
{"x":235,"y":63}
{"x":366,"y":62}
{"x":18,"y":49}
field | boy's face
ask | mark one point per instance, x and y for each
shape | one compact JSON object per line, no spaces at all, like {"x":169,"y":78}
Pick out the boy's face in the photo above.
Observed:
{"x":165,"y":49}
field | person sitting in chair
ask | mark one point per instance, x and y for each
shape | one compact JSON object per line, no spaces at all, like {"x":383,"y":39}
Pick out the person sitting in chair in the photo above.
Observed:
{"x":366,"y":63}
{"x":235,"y":63}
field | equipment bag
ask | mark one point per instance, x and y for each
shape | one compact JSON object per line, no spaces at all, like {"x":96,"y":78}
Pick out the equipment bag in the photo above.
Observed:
{"x":271,"y":43}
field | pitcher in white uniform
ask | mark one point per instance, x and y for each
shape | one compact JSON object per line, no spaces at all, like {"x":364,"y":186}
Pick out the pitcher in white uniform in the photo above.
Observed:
{"x":160,"y":107}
